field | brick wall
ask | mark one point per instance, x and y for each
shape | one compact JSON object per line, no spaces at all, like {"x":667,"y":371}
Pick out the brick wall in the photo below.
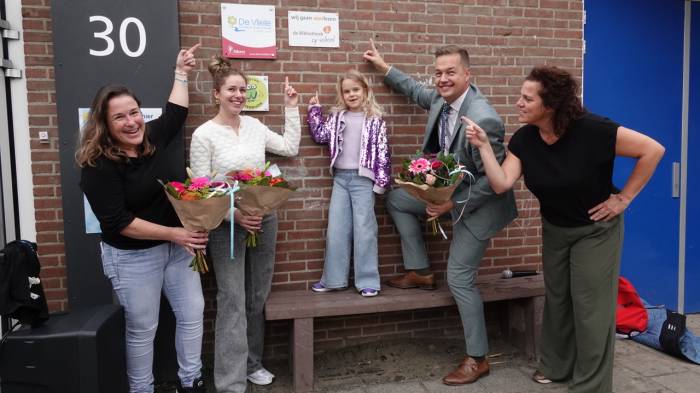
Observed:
{"x":505,"y":39}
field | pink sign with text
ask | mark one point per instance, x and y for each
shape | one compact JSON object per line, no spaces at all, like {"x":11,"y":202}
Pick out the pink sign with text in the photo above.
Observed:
{"x":248,"y":31}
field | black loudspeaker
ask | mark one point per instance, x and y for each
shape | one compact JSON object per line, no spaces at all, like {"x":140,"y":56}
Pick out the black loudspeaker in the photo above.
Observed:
{"x":79,"y":352}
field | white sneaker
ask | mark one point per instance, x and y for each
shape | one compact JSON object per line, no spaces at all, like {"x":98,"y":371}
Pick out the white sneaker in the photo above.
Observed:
{"x":261,"y":377}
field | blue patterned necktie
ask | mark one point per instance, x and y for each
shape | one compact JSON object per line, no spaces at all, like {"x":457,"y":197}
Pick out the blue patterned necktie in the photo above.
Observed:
{"x":443,"y":126}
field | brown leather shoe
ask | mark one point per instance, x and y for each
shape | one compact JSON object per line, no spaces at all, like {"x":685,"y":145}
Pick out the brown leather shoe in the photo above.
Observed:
{"x":469,"y":371}
{"x":413,"y":280}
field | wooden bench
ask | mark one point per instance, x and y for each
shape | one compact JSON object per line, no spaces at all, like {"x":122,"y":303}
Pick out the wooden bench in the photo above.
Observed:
{"x":303,"y":306}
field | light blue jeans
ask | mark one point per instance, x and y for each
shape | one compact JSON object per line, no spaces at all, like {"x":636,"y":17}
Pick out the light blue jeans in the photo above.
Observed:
{"x":138,"y":276}
{"x":352,"y":227}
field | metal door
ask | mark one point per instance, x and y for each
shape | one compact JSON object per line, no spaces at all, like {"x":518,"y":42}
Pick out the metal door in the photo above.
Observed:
{"x":692,"y":238}
{"x":633,"y":74}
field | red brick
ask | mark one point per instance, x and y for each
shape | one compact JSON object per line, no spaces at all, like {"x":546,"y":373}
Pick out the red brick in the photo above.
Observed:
{"x":505,"y":37}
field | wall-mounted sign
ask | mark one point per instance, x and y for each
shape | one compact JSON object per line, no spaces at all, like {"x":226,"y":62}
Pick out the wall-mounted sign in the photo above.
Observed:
{"x":317,"y":29}
{"x":258,"y":95}
{"x":248,"y":31}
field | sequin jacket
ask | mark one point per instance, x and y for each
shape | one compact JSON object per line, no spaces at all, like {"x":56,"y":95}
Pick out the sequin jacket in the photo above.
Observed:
{"x":375,"y":159}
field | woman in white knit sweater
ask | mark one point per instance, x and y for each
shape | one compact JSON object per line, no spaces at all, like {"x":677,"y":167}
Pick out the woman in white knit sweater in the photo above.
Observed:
{"x":230,"y":142}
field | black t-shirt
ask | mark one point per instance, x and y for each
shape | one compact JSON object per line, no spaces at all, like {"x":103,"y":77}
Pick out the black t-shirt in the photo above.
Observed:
{"x":119,"y":191}
{"x":572,"y":175}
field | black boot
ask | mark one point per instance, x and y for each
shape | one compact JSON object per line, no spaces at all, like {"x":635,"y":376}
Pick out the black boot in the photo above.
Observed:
{"x":197,"y":387}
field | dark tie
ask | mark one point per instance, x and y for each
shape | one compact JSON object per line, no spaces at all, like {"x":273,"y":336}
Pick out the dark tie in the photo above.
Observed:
{"x":443,"y":126}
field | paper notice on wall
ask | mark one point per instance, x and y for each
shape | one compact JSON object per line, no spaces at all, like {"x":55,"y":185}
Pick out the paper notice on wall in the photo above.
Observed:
{"x":92,"y":225}
{"x":258,"y":94}
{"x":248,"y":31}
{"x":317,"y":29}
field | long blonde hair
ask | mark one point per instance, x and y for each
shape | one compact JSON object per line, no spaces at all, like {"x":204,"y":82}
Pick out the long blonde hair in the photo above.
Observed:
{"x":95,"y":140}
{"x":369,"y":104}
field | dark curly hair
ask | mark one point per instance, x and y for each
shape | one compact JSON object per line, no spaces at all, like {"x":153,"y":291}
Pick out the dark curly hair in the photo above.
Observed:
{"x":559,"y":92}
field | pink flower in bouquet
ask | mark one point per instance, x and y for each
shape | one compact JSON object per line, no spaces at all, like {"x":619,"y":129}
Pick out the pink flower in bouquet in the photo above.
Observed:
{"x":420,"y":165}
{"x":198,"y":183}
{"x":430,"y":179}
{"x":201,"y":204}
{"x":179,"y":187}
{"x":243,"y":176}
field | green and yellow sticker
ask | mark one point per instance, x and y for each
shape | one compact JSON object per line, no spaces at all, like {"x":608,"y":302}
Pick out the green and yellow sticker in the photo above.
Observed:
{"x":257,"y":95}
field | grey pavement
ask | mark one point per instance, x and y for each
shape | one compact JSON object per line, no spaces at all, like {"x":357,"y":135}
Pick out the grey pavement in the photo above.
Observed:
{"x":410,"y":366}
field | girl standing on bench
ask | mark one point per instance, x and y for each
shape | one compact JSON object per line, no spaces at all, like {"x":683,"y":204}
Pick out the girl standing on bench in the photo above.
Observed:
{"x":361,"y":166}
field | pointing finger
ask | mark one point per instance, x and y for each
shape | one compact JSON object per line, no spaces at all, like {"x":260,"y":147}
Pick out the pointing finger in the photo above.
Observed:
{"x":371,"y":43}
{"x":468,"y":121}
{"x":194,"y":48}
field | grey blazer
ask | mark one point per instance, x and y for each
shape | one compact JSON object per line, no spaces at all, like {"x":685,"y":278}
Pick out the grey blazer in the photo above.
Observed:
{"x":486,"y":212}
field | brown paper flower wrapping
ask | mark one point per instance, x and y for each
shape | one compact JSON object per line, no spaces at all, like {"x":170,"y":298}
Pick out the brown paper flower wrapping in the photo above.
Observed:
{"x":201,"y":214}
{"x":261,"y":200}
{"x":429,"y":194}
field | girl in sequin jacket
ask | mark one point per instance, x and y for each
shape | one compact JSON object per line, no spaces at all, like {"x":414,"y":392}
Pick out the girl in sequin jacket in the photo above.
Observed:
{"x":361,"y":166}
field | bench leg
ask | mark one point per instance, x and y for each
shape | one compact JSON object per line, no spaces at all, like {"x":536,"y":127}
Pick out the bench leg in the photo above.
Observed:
{"x":524,"y":325}
{"x":302,"y":354}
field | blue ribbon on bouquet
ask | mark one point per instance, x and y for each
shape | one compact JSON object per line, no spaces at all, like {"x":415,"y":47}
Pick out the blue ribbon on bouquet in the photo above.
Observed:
{"x":231,"y":191}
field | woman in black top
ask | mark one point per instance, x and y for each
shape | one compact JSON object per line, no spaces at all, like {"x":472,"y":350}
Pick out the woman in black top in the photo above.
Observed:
{"x":144,"y":247}
{"x":566,"y":156}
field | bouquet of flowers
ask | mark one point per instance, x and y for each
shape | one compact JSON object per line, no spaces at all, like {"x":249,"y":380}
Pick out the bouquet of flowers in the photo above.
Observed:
{"x":201,"y":203}
{"x":432,"y":179}
{"x":261,"y":192}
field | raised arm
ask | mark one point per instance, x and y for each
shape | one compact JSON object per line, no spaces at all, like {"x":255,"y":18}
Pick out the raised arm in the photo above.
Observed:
{"x":397,"y":80}
{"x":287,"y":144}
{"x":648,"y":152}
{"x":319,"y":127}
{"x":184,"y":64}
{"x":501,"y":176}
{"x":373,"y":57}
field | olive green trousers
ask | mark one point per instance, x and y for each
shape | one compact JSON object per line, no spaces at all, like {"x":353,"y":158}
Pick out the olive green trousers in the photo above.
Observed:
{"x":581,"y":267}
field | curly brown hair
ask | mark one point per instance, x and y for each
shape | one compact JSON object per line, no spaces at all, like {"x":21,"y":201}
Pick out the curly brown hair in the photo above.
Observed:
{"x":95,"y":140}
{"x":560,"y":92}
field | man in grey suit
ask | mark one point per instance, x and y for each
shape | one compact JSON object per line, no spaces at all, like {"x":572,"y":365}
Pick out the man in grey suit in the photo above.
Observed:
{"x":485,"y":212}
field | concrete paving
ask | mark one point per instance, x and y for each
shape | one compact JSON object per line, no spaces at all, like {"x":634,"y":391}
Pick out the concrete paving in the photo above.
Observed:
{"x":638,"y":369}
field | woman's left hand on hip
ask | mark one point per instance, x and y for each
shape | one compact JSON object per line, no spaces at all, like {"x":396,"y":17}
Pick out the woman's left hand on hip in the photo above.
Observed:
{"x":607,"y":210}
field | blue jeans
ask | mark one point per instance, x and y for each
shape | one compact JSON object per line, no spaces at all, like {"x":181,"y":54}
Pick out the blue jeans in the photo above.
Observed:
{"x":138,"y":276}
{"x":352,"y":226}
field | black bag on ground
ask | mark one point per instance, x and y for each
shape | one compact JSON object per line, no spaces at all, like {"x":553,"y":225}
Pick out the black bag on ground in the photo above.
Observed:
{"x":671,"y":332}
{"x":21,"y":293}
